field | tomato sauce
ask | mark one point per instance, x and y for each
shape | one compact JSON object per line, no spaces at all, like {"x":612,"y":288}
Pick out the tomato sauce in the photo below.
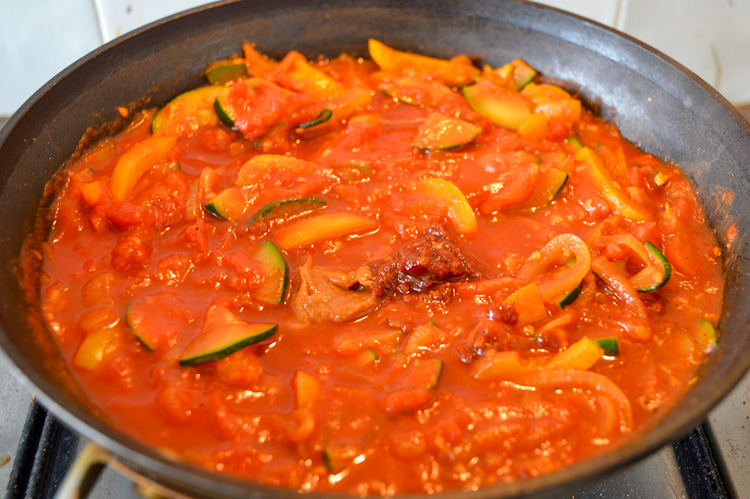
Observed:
{"x":406,"y":275}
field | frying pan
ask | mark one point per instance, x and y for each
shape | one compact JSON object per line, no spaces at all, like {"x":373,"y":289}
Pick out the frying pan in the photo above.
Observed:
{"x":656,"y":103}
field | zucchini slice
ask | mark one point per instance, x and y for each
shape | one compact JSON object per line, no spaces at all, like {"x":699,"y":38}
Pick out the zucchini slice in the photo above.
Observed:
{"x":440,"y":132}
{"x":523,"y":74}
{"x":548,"y":186}
{"x":276,"y":274}
{"x":136,"y":162}
{"x":320,"y":227}
{"x":654,"y":276}
{"x":225,"y":73}
{"x":611,"y":346}
{"x":323,"y":116}
{"x":288,"y":208}
{"x":154,"y":317}
{"x":224,"y":111}
{"x":189,"y":111}
{"x":424,"y":373}
{"x":571,"y":297}
{"x":502,"y":106}
{"x":707,"y":338}
{"x":222,"y":334}
{"x":229,"y":204}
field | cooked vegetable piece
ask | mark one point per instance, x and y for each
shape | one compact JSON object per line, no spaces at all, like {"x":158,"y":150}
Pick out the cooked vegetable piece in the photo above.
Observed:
{"x":259,"y":165}
{"x":95,"y":348}
{"x":529,"y":304}
{"x":222,"y":334}
{"x":582,"y":354}
{"x":523,"y":74}
{"x":297,"y":74}
{"x":443,"y":132}
{"x":416,"y":91}
{"x":225,"y":111}
{"x":307,"y":389}
{"x":423,"y":373}
{"x":611,"y":346}
{"x":459,"y":209}
{"x":224,"y":73}
{"x":706,"y":336}
{"x":136,"y":162}
{"x":189,"y":111}
{"x":549,"y":183}
{"x":321,"y":227}
{"x":655,"y":275}
{"x":455,"y":72}
{"x":229,"y":204}
{"x":323,"y":116}
{"x":275,"y":274}
{"x":615,"y":196}
{"x":559,"y":288}
{"x":289,"y":208}
{"x":503,"y":107}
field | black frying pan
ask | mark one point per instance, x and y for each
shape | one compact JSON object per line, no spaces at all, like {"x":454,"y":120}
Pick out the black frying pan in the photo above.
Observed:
{"x":656,"y":103}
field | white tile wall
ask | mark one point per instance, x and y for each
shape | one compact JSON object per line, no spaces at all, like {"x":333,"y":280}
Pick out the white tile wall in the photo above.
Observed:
{"x":39,"y":38}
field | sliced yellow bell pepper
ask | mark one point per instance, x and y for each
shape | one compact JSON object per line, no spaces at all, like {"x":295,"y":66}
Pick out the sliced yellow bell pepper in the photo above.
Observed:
{"x":582,"y":354}
{"x":304,"y":78}
{"x":94,"y":349}
{"x":454,"y":72}
{"x":459,"y":209}
{"x":618,"y":201}
{"x":529,"y":304}
{"x":307,"y":389}
{"x":320,"y":227}
{"x":136,"y":162}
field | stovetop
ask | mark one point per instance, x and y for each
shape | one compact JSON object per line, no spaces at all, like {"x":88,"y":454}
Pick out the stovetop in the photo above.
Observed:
{"x":713,"y":461}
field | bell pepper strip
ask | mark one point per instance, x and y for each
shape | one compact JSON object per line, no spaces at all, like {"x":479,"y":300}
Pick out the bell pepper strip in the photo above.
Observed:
{"x":321,"y":227}
{"x":459,"y":210}
{"x":95,"y":348}
{"x":307,"y":389}
{"x":558,"y":288}
{"x":677,"y":245}
{"x":189,"y":111}
{"x":582,"y":354}
{"x":136,"y":162}
{"x":295,"y":73}
{"x":618,"y":201}
{"x":535,"y":127}
{"x":503,"y":107}
{"x":529,"y":304}
{"x":222,"y":334}
{"x":455,"y":72}
{"x":440,"y":132}
{"x":502,"y":365}
{"x":607,"y":272}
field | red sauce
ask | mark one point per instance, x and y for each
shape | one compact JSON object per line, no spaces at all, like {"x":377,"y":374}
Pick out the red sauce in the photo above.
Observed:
{"x":420,"y":344}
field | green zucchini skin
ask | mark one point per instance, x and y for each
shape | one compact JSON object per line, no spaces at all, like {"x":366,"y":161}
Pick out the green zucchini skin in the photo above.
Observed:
{"x":225,"y":73}
{"x":224,"y":111}
{"x":227,"y":204}
{"x":323,"y":116}
{"x":611,"y":346}
{"x":287,"y":208}
{"x":191,"y":103}
{"x":276,"y":271}
{"x":241,"y":336}
{"x":666,"y":270}
{"x":572,"y":296}
{"x":141,"y":336}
